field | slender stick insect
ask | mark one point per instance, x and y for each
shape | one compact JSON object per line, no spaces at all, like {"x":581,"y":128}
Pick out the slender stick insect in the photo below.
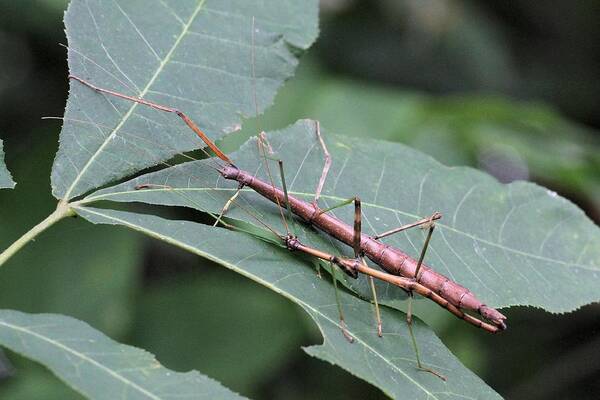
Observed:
{"x":400,"y":269}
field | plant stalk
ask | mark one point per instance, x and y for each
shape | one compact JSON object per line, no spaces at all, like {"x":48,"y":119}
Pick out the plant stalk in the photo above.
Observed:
{"x":62,"y":210}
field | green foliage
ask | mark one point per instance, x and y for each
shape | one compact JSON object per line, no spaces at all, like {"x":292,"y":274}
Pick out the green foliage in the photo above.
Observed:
{"x":516,"y":244}
{"x":194,"y":55}
{"x":97,"y":366}
{"x":5,"y":178}
{"x":386,"y":362}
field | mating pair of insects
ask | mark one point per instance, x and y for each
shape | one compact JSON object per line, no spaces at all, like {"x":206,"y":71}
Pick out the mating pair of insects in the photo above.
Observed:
{"x":401,"y":270}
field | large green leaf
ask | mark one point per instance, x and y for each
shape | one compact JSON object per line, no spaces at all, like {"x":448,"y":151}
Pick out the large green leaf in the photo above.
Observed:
{"x":5,"y":178}
{"x":515,"y":244}
{"x":97,"y":366}
{"x":195,"y":55}
{"x":386,"y":362}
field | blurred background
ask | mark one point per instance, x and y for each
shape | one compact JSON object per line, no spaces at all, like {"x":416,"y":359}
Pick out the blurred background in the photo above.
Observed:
{"x":508,"y":87}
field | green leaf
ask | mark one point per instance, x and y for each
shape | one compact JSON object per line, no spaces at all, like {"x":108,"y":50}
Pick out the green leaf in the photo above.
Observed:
{"x":5,"y":178}
{"x":386,"y":362}
{"x":195,"y":55}
{"x":515,"y":244}
{"x":97,"y":366}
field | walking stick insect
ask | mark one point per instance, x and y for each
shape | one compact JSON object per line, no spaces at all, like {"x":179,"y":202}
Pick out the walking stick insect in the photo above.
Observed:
{"x":401,"y":270}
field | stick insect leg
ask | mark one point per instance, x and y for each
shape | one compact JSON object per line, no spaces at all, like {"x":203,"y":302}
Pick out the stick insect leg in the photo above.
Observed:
{"x":339,"y":304}
{"x":358,"y":255}
{"x":375,"y":303}
{"x":150,"y":186}
{"x":263,"y":148}
{"x":429,"y":220}
{"x":409,"y":321}
{"x":356,"y":245}
{"x":285,"y":194}
{"x":424,"y":249}
{"x":325,"y":167}
{"x":428,"y":223}
{"x":228,"y":204}
{"x":333,"y":267}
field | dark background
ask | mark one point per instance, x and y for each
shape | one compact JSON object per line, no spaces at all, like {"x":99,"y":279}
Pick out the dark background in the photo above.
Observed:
{"x":508,"y":87}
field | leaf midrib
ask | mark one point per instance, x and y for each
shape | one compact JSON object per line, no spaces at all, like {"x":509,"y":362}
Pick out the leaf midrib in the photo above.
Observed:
{"x":126,"y":116}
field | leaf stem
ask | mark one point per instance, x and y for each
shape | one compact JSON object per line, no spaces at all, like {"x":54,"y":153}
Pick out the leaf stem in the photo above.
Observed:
{"x":62,"y":210}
